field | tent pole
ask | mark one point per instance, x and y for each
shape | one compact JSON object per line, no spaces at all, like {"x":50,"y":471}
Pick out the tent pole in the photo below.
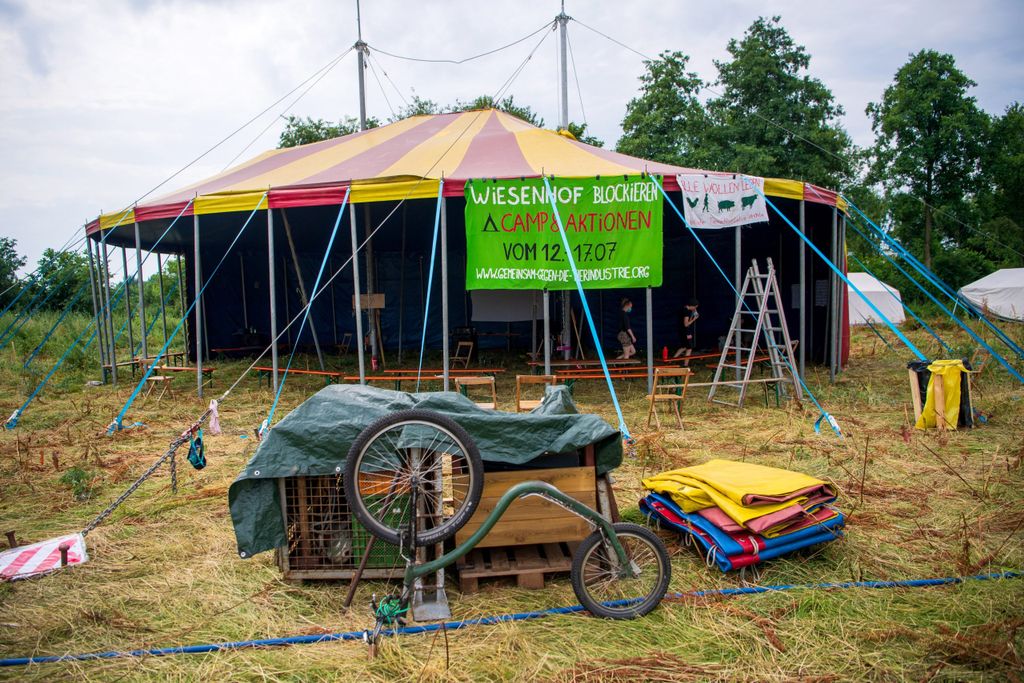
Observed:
{"x":302,"y":289}
{"x":547,"y":332}
{"x":401,"y":286}
{"x":357,"y":304}
{"x":272,"y":293}
{"x":160,"y":279}
{"x":128,"y":305}
{"x":650,"y":340}
{"x":371,"y":281}
{"x":444,"y":289}
{"x":803,"y":292}
{"x":108,"y":315}
{"x":533,"y":327}
{"x":245,"y":303}
{"x":199,"y":305}
{"x":142,"y":291}
{"x":833,"y":309}
{"x":738,"y":282}
{"x":96,"y":312}
{"x":287,"y":297}
{"x":842,"y":292}
{"x":334,"y":310}
{"x":181,"y":298}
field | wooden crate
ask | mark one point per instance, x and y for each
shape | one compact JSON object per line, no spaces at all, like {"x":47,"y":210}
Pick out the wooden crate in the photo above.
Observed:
{"x":529,"y":564}
{"x":534,"y":520}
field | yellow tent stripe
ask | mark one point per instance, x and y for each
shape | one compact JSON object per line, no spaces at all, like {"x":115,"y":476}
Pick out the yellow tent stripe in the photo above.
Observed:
{"x":117,"y":218}
{"x":393,"y":191}
{"x":781,"y":187}
{"x":226,"y":203}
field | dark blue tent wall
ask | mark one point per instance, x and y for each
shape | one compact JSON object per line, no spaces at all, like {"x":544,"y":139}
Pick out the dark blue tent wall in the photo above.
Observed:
{"x":687,"y":272}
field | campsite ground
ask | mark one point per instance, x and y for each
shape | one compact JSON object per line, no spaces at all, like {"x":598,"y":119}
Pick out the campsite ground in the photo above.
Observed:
{"x":164,"y":570}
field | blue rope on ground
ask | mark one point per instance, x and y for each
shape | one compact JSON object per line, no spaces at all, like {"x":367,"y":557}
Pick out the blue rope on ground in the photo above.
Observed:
{"x":305,"y":316}
{"x":824,"y":415}
{"x":937,"y":281}
{"x":118,"y":423}
{"x":430,"y":281}
{"x":586,"y":309}
{"x":967,"y":328}
{"x":901,"y":303}
{"x":46,"y":337}
{"x":487,"y":621}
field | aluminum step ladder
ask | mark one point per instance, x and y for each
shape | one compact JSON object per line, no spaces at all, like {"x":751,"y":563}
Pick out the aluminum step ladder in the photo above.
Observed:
{"x":759,"y":315}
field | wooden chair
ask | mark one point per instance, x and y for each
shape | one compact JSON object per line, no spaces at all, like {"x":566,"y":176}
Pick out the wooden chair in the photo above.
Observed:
{"x":529,"y":404}
{"x":463,"y":352}
{"x":669,"y":387}
{"x":462,"y":385}
{"x":346,"y":343}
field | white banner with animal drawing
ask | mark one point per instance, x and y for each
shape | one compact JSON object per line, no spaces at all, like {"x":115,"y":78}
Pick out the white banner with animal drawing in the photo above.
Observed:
{"x":722,"y":201}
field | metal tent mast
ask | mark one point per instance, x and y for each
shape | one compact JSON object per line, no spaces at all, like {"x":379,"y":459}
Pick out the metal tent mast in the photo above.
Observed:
{"x":563,"y":123}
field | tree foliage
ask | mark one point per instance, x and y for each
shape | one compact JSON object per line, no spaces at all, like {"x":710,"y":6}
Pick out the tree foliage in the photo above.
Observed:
{"x":10,"y":262}
{"x":929,"y":135}
{"x":767,"y":115}
{"x":64,"y":274}
{"x":303,"y":131}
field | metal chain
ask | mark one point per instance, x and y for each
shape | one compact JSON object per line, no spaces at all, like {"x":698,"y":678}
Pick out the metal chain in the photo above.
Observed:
{"x":174,"y":472}
{"x":174,"y":446}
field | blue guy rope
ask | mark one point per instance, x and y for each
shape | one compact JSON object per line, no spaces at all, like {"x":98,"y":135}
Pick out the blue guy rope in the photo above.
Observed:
{"x":305,"y":316}
{"x":46,"y":337}
{"x":877,"y":333}
{"x":824,"y":415}
{"x":938,"y":282}
{"x":902,"y":337}
{"x":586,"y":309}
{"x":905,"y":306}
{"x":118,"y":422}
{"x":33,"y":306}
{"x":967,"y":328}
{"x":491,"y":620}
{"x":430,"y":281}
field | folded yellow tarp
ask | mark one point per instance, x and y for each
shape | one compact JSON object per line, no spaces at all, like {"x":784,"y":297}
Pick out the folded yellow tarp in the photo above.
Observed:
{"x":732,"y":486}
{"x":949,"y":373}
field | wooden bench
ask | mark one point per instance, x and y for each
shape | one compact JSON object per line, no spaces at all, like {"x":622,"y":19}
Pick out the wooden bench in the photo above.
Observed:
{"x":451,"y":372}
{"x":268,"y":372}
{"x":207,"y":371}
{"x":397,"y":379}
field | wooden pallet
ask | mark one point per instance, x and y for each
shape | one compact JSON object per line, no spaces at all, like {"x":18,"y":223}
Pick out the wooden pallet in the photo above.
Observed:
{"x":529,"y":564}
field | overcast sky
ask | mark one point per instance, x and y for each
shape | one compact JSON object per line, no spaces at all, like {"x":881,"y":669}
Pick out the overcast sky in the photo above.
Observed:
{"x":101,"y":100}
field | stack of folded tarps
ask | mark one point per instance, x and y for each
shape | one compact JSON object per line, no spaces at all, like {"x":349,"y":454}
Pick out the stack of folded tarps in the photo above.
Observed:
{"x":740,"y":514}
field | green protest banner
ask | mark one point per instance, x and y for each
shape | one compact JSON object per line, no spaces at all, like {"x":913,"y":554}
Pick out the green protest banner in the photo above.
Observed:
{"x":613,"y":225}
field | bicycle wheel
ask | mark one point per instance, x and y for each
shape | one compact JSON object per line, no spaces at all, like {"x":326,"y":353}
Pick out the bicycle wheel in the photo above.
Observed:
{"x":407,"y":449}
{"x":608,"y":590}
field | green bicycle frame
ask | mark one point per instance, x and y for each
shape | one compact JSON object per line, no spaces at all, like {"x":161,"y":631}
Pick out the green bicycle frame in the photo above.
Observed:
{"x":520,"y":490}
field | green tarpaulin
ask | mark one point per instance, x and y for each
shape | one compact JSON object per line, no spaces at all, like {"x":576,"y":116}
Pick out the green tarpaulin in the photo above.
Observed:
{"x":315,"y":437}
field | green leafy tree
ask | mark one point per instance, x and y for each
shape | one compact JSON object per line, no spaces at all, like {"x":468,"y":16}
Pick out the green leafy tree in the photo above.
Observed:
{"x":771,"y":117}
{"x":10,"y":262}
{"x":507,"y":105}
{"x":666,"y":122}
{"x":65,"y":273}
{"x":929,"y":134}
{"x":419,"y":106}
{"x":1001,"y":206}
{"x":303,"y":131}
{"x":579,"y":131}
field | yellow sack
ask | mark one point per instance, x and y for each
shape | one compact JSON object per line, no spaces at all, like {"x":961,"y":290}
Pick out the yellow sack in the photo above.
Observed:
{"x":949,"y":371}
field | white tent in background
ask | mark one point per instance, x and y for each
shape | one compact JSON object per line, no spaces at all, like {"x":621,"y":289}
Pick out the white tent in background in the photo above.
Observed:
{"x":880,"y":294}
{"x":1001,"y":293}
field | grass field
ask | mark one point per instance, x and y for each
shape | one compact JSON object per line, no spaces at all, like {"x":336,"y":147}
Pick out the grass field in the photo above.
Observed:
{"x":164,"y":569}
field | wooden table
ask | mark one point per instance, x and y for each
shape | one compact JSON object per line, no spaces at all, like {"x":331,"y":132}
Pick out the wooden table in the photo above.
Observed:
{"x":268,"y":372}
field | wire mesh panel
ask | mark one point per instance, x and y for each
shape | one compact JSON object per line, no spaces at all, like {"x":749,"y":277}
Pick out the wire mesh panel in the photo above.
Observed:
{"x":324,"y":540}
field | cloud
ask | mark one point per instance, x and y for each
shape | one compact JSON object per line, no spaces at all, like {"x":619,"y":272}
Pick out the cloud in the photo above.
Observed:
{"x":103,"y":99}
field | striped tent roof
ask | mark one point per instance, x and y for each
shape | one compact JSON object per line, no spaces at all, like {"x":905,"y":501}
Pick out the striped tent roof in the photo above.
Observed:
{"x":407,"y":160}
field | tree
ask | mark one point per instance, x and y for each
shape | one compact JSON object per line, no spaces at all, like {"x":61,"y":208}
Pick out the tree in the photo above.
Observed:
{"x":303,"y":131}
{"x":64,"y":273}
{"x":928,"y":140}
{"x":10,"y":262}
{"x":506,"y":105}
{"x":579,"y":131}
{"x":666,"y":122}
{"x":771,"y":117}
{"x":1000,"y":206}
